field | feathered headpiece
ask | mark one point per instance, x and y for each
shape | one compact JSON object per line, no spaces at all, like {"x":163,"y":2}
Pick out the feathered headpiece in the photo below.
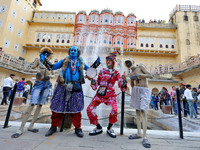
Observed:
{"x":113,"y":56}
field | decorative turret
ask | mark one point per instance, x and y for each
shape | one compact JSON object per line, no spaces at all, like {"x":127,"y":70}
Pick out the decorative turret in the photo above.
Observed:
{"x":119,"y":13}
{"x":106,"y":11}
{"x":119,"y":18}
{"x":94,"y":12}
{"x":82,"y":12}
{"x":131,"y":19}
{"x":131,"y":14}
{"x":81,"y":16}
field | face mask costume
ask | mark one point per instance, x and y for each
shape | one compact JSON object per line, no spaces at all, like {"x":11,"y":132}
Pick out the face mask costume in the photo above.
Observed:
{"x":106,"y":94}
{"x":42,"y":86}
{"x":140,"y":99}
{"x":68,"y":94}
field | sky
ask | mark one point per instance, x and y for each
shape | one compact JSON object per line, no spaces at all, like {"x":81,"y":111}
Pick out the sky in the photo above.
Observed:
{"x":143,"y":9}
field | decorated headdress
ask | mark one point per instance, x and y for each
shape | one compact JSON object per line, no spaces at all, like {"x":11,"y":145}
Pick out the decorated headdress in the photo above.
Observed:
{"x":113,"y":56}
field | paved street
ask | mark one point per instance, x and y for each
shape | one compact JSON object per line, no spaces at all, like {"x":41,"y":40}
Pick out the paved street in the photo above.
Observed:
{"x":67,"y":140}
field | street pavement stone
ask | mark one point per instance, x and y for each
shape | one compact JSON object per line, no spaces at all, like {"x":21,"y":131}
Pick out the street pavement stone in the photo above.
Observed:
{"x":67,"y":140}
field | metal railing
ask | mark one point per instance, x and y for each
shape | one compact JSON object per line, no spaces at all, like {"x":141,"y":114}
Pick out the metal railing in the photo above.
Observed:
{"x":170,"y":68}
{"x":194,"y":8}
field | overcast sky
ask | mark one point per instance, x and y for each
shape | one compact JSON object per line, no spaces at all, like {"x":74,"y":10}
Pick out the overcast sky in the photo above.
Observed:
{"x":147,"y":9}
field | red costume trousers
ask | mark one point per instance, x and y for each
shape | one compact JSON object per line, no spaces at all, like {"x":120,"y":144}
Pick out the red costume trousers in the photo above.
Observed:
{"x":96,"y":102}
{"x":56,"y":119}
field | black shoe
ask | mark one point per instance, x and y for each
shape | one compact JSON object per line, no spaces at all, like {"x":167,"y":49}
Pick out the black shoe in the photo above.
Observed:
{"x":96,"y":131}
{"x":51,"y":131}
{"x":79,"y":132}
{"x":111,"y":133}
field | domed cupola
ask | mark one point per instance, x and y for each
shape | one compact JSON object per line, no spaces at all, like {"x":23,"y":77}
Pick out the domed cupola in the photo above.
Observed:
{"x":81,"y":16}
{"x":119,"y":18}
{"x":106,"y":17}
{"x":94,"y":17}
{"x":131,"y":19}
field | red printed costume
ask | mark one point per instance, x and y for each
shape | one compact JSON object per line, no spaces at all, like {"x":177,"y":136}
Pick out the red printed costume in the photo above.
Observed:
{"x":110,"y":97}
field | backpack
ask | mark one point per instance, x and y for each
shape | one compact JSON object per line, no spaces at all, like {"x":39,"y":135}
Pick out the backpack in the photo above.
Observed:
{"x":20,"y":86}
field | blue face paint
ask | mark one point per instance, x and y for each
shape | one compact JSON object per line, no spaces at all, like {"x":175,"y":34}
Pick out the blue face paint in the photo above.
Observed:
{"x":73,"y":52}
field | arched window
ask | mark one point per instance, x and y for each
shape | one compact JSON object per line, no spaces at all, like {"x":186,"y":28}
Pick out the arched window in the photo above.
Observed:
{"x":118,"y":19}
{"x":187,"y":42}
{"x":160,"y":45}
{"x":147,"y":45}
{"x":152,"y":45}
{"x":93,"y":18}
{"x":104,"y":41}
{"x":141,"y":45}
{"x":118,"y":42}
{"x":173,"y":46}
{"x":43,"y":40}
{"x":68,"y":41}
{"x":166,"y":46}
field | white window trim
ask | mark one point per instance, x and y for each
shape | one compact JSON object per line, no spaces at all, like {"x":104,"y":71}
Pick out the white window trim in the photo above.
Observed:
{"x":65,"y":16}
{"x":25,"y":8}
{"x":10,"y":27}
{"x":17,"y":1}
{"x":16,"y":48}
{"x":5,"y":7}
{"x":19,"y":33}
{"x":14,"y":15}
{"x":8,"y":43}
{"x":22,"y":20}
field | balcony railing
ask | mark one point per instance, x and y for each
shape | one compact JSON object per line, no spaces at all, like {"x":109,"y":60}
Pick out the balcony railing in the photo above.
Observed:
{"x":156,"y":25}
{"x":173,"y":68}
{"x":13,"y":62}
{"x":193,"y":8}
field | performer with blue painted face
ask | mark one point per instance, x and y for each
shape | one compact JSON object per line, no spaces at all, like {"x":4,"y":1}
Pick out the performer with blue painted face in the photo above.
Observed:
{"x":68,"y":96}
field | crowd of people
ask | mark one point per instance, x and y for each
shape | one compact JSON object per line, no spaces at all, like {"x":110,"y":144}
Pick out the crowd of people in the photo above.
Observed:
{"x":23,"y":89}
{"x":153,"y":21}
{"x":188,"y":98}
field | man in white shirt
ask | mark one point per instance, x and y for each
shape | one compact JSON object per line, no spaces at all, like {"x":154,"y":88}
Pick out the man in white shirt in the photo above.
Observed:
{"x":190,"y":100}
{"x":8,"y":84}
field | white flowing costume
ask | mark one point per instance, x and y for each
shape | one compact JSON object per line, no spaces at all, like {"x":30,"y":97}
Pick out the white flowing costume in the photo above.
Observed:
{"x":140,"y":98}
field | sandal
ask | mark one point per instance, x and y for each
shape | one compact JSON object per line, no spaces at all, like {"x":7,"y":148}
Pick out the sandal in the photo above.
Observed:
{"x":146,"y":143}
{"x":134,"y":136}
{"x":95,"y":131}
{"x":33,"y":130}
{"x":16,"y":135}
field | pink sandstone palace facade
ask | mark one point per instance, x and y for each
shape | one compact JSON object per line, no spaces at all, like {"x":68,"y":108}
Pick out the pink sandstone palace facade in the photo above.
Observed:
{"x":107,"y":29}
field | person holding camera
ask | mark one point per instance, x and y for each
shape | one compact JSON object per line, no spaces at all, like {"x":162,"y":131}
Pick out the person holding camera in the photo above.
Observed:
{"x":39,"y":92}
{"x":106,"y":94}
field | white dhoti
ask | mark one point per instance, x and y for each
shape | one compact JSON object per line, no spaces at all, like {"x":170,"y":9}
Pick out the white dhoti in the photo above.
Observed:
{"x":140,"y":98}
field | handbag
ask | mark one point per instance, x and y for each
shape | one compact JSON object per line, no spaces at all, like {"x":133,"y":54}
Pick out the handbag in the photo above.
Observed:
{"x":102,"y":90}
{"x":77,"y":86}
